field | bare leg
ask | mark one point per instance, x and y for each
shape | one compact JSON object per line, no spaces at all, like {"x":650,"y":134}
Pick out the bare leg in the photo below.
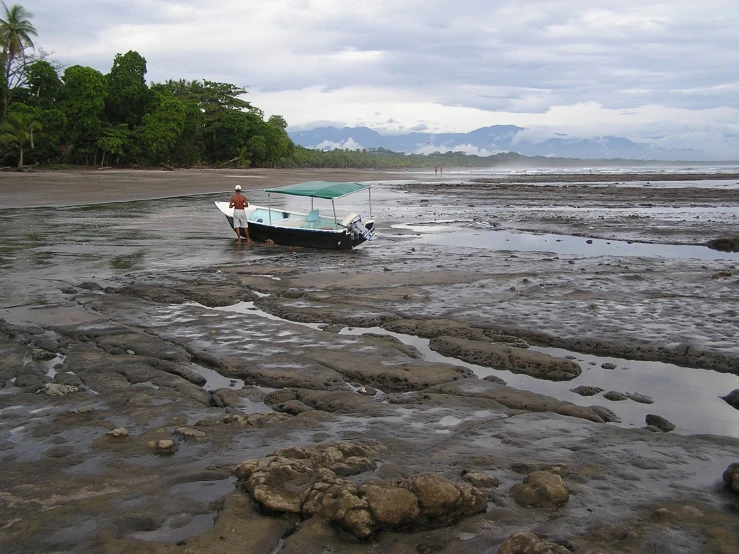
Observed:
{"x":248,"y":237}
{"x":238,"y":233}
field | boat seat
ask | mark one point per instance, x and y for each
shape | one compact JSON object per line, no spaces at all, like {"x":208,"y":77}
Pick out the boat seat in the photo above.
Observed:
{"x":311,"y":219}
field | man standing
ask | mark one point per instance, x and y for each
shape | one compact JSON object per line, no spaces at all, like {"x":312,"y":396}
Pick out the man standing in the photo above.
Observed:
{"x":239,"y":202}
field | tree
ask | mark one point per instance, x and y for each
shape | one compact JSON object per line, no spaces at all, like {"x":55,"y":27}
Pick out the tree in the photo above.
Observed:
{"x":15,"y":36}
{"x":43,"y":84}
{"x":127,"y":90}
{"x":17,"y":130}
{"x":113,"y":141}
{"x":162,"y":128}
{"x":83,"y":102}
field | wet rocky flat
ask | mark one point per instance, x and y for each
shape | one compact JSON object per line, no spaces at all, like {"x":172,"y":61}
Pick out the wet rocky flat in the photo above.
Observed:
{"x":415,"y":395}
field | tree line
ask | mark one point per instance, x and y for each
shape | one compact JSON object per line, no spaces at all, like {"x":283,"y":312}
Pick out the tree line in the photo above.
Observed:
{"x":78,"y":115}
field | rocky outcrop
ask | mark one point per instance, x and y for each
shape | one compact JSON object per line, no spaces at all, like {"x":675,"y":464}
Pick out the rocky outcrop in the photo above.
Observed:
{"x":516,"y":360}
{"x":541,"y":489}
{"x":724,"y":244}
{"x":732,"y":398}
{"x":584,"y":390}
{"x":661,"y":423}
{"x":731,"y":477}
{"x":528,"y":543}
{"x":432,"y":328}
{"x":308,"y":482}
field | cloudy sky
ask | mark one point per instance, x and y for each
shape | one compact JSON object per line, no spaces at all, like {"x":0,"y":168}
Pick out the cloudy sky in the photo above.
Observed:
{"x":661,"y":72}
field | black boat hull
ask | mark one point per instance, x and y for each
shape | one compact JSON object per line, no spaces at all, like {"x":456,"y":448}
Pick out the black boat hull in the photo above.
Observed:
{"x":308,"y":238}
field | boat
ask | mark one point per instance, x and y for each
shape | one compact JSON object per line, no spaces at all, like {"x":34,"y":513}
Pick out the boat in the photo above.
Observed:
{"x":312,"y":230}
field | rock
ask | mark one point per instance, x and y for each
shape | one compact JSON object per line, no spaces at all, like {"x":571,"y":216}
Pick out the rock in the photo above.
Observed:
{"x":606,"y":415}
{"x":55,"y":389}
{"x":280,"y":396}
{"x":641,"y":398}
{"x":188,"y":433}
{"x":724,"y":244}
{"x":130,"y":352}
{"x":42,"y":355}
{"x":119,"y":433}
{"x":541,"y":489}
{"x":608,"y":365}
{"x":480,"y":480}
{"x":494,"y":379}
{"x":304,"y":481}
{"x":391,"y":506}
{"x":615,"y":396}
{"x":292,"y":407}
{"x":732,"y":398}
{"x":573,"y":410}
{"x":441,"y":501}
{"x":528,"y":543}
{"x":660,"y":422}
{"x":255,"y":420}
{"x":83,"y":410}
{"x":30,"y":382}
{"x":583,"y":390}
{"x":225,"y":397}
{"x":67,"y":378}
{"x":499,"y":356}
{"x":163,"y":447}
{"x":653,"y":429}
{"x":731,"y":477}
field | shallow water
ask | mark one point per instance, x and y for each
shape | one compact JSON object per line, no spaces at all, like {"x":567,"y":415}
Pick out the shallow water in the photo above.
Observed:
{"x":689,"y":398}
{"x":441,"y":235}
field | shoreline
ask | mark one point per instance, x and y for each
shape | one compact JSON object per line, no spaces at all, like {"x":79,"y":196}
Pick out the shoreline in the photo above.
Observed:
{"x":88,"y":187}
{"x":80,"y":188}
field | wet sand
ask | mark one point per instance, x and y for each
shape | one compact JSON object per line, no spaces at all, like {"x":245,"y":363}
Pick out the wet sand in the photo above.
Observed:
{"x":77,"y":188}
{"x":166,"y":328}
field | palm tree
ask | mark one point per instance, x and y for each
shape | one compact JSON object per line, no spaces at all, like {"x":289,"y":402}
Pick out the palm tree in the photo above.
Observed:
{"x":15,"y":37}
{"x":16,"y":31}
{"x":17,"y":130}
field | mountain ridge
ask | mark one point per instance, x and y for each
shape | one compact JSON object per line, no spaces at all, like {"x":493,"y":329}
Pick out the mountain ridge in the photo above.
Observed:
{"x":494,"y":139}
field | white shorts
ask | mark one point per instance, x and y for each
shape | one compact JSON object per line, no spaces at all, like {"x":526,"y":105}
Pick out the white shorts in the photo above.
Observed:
{"x":240,"y":219}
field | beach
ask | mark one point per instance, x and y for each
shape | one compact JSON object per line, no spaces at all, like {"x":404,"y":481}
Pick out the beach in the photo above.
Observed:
{"x":514,"y":353}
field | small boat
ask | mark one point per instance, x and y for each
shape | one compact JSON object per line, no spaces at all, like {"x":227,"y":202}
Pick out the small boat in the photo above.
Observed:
{"x":313,"y":230}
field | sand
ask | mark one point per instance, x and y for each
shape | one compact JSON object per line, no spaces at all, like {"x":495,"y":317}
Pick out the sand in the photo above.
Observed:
{"x":75,"y":188}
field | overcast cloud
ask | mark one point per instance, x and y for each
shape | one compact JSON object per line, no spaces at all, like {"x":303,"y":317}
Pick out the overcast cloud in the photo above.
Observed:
{"x":658,"y":71}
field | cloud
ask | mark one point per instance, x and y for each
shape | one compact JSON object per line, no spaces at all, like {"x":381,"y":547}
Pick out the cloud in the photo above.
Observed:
{"x":349,"y":144}
{"x":452,"y":65}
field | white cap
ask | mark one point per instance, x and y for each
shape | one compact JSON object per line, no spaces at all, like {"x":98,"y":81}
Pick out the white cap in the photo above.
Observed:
{"x":237,"y":187}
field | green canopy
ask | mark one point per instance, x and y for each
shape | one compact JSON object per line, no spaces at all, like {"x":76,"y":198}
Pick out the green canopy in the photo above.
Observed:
{"x":320,"y":189}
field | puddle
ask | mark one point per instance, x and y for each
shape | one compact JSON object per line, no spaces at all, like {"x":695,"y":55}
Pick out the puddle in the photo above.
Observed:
{"x":204,"y":491}
{"x":215,"y":380}
{"x":667,"y":384}
{"x":561,"y":244}
{"x":167,"y":533}
{"x":249,"y":308}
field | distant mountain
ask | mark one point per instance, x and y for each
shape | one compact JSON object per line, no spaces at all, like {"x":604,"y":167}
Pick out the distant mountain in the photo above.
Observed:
{"x":490,"y":140}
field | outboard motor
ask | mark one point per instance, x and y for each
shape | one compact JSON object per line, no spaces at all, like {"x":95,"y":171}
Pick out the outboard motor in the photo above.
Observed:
{"x":353,"y":223}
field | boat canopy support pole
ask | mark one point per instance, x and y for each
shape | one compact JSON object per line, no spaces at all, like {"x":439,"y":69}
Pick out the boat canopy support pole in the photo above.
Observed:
{"x":334,"y":207}
{"x":269,"y":208}
{"x":311,"y":203}
{"x":369,"y":193}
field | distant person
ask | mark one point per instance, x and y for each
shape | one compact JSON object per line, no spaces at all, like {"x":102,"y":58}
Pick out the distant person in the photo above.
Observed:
{"x":436,"y":171}
{"x":239,"y":203}
{"x":441,"y":171}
